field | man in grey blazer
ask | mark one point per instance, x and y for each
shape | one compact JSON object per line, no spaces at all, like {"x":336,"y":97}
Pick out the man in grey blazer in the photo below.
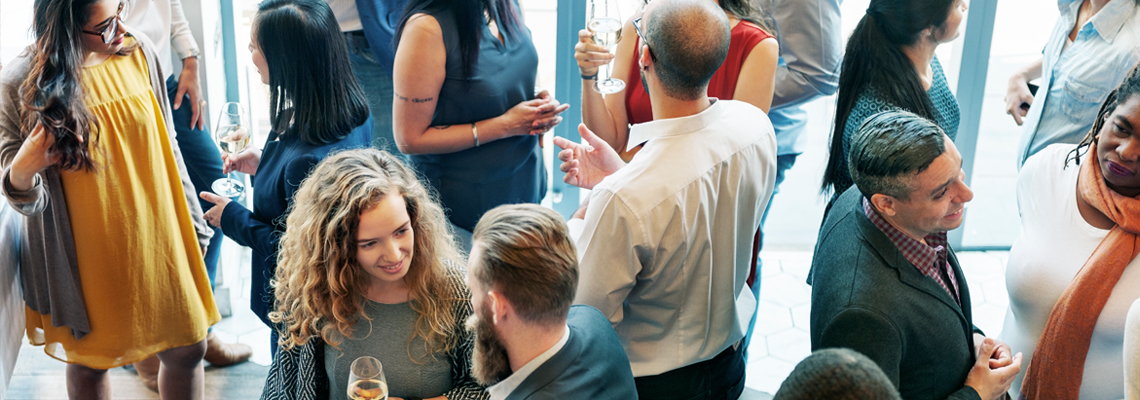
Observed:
{"x":887,"y":284}
{"x":529,"y":342}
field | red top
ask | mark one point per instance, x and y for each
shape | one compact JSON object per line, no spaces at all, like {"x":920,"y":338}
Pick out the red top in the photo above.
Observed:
{"x":745,"y":36}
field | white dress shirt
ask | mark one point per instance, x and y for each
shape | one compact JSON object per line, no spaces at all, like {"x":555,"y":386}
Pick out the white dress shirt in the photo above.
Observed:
{"x":164,"y":23}
{"x":501,"y":390}
{"x":666,"y":244}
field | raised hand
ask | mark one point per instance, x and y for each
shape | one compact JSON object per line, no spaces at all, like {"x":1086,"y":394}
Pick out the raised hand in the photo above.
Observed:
{"x":586,"y":164}
{"x":246,"y":161}
{"x":590,"y":55}
{"x":35,"y":155}
{"x":1016,"y":94}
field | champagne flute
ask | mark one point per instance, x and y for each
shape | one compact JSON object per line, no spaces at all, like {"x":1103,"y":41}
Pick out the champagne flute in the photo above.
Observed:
{"x":605,"y":23}
{"x":366,"y":380}
{"x":233,"y":137}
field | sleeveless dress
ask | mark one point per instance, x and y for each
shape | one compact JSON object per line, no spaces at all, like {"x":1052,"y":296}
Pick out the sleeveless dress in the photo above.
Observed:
{"x":506,"y":171}
{"x":140,"y":267}
{"x":745,"y":37}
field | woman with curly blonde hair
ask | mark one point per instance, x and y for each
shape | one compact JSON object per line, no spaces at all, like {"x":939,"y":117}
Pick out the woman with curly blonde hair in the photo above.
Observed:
{"x":368,"y":266}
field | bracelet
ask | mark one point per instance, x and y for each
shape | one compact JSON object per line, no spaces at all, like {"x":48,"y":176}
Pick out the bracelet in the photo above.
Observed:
{"x":475,"y":134}
{"x":588,"y":77}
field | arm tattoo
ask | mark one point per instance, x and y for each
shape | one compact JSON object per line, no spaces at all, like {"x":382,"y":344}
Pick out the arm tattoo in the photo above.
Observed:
{"x":414,"y":100}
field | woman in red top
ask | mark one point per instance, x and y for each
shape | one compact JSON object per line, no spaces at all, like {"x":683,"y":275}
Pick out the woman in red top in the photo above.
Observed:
{"x":748,"y":74}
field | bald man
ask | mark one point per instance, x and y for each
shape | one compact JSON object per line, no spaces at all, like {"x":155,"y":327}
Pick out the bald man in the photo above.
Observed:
{"x":665,"y":243}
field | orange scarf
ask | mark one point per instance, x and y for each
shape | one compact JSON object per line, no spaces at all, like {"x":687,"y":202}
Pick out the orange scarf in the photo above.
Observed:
{"x":1059,"y":361}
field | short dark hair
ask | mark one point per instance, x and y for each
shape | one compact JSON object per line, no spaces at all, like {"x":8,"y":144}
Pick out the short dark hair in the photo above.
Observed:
{"x":1128,"y":88}
{"x":690,"y":39}
{"x":309,"y":71}
{"x":888,"y":147}
{"x":837,"y":374}
{"x":529,"y":257}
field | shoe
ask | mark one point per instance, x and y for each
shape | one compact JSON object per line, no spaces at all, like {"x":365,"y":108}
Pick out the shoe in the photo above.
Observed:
{"x":225,"y":354}
{"x":148,"y":372}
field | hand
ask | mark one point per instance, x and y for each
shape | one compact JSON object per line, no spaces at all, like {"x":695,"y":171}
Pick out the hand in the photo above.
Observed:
{"x":35,"y":155}
{"x":586,"y":164}
{"x":992,"y":383}
{"x":531,"y":117}
{"x":590,"y":55}
{"x":1002,"y":355}
{"x":580,"y":213}
{"x":188,"y":84}
{"x":246,"y":161}
{"x":213,"y":216}
{"x":1016,"y":93}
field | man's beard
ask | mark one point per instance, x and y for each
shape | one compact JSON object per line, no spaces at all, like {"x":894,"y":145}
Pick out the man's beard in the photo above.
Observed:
{"x":490,"y":364}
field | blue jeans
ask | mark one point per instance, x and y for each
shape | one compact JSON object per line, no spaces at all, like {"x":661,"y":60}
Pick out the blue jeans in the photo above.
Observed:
{"x":783,"y":164}
{"x":203,"y":164}
{"x":377,"y":85}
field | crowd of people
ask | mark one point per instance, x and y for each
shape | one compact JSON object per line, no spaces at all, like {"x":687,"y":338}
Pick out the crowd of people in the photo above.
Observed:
{"x":394,"y":205}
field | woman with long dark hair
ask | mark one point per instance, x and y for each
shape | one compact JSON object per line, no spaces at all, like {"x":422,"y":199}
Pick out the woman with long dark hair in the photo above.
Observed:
{"x":466,"y":108}
{"x":368,"y":267}
{"x":316,"y":107}
{"x":748,"y":74}
{"x":112,"y":269}
{"x":890,"y":64}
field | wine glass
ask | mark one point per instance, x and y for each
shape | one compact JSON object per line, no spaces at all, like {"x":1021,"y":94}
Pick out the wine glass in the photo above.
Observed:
{"x":366,"y":380}
{"x":233,"y":137}
{"x":605,"y":23}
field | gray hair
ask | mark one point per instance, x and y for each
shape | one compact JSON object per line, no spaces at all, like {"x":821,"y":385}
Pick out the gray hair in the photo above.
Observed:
{"x":690,"y":41}
{"x":889,"y":148}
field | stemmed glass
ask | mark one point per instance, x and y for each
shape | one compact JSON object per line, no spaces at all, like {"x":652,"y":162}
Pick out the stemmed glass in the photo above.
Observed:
{"x":233,"y":136}
{"x":605,"y":23}
{"x":366,"y":380}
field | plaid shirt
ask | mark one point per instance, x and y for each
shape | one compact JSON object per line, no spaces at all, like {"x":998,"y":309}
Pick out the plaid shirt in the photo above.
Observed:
{"x":928,"y":257}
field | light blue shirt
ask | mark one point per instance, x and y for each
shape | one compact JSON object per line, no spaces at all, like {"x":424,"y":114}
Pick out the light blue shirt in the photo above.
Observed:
{"x":811,"y":51}
{"x":1077,"y":79}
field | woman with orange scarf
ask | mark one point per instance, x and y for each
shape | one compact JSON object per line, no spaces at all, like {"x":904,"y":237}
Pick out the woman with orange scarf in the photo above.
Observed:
{"x":1073,"y":272}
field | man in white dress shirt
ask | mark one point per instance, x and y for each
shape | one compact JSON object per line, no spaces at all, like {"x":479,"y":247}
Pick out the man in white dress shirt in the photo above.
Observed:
{"x":665,"y":242}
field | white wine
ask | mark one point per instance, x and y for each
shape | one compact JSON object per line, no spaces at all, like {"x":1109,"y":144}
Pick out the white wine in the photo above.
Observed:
{"x":233,"y":138}
{"x":606,"y":30}
{"x":368,"y":389}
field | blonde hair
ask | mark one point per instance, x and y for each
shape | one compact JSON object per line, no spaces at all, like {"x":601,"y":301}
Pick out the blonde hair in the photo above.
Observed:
{"x":320,"y":286}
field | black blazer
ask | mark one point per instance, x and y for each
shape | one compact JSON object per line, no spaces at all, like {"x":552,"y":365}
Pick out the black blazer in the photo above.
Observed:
{"x":866,"y":296}
{"x":592,"y":365}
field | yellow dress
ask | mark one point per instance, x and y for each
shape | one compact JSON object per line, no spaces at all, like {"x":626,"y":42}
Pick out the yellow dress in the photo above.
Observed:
{"x":140,"y":266}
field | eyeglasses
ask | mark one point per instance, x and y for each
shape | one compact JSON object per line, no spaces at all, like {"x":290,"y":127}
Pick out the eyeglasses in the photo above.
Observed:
{"x":108,"y":32}
{"x":637,"y":27}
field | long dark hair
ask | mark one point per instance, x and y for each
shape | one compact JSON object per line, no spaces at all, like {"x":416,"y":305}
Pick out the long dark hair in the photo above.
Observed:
{"x":875,"y":58}
{"x":309,"y":70}
{"x":469,"y":23}
{"x":1128,"y":89}
{"x":52,"y":94}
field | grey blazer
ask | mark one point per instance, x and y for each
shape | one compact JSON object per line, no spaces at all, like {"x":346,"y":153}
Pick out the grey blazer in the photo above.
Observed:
{"x":866,"y":296}
{"x":49,"y":271}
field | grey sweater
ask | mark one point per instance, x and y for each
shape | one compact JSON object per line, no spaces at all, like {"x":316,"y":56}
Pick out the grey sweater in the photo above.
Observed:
{"x":49,"y":270}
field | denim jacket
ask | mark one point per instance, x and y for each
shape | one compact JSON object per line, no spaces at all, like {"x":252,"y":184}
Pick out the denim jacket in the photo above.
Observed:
{"x":1077,"y":79}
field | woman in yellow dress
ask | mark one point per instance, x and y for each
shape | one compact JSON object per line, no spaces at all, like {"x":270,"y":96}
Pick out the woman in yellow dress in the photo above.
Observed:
{"x":112,"y":268}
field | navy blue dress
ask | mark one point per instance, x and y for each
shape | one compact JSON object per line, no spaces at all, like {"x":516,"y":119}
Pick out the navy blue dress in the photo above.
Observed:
{"x":285,"y":162}
{"x":505,"y":171}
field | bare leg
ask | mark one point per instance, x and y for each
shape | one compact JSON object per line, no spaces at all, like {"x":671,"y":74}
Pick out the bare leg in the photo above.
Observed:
{"x":87,"y":384}
{"x":182,"y":375}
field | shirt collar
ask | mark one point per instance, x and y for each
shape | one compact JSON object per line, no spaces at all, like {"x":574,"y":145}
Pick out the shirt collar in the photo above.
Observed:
{"x":1107,"y":22}
{"x":643,"y":132}
{"x":501,"y":390}
{"x":921,"y":255}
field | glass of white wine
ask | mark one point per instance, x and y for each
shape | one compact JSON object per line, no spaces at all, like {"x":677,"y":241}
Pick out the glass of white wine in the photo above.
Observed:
{"x":366,"y":380}
{"x":605,"y":23}
{"x":233,"y":136}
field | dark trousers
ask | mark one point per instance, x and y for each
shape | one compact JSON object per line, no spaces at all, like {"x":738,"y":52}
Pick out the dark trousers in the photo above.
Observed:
{"x":203,"y":164}
{"x":720,"y":378}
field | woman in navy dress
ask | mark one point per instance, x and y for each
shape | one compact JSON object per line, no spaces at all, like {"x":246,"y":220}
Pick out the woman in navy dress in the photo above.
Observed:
{"x":317,"y":107}
{"x":466,"y":108}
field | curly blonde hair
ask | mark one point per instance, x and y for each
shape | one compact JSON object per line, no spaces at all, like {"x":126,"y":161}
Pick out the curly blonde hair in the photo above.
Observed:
{"x":320,"y":286}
